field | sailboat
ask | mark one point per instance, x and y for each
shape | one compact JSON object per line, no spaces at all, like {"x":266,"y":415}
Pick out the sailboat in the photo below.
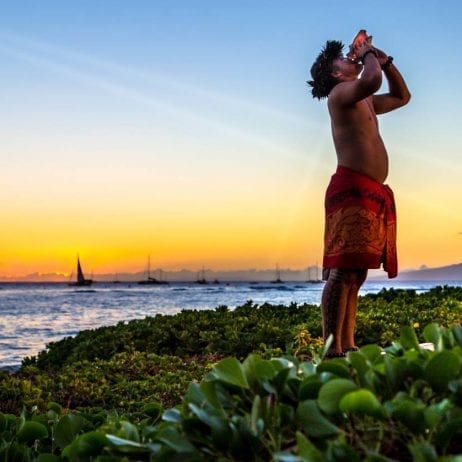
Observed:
{"x":150,"y":280}
{"x":81,"y":281}
{"x":316,"y":280}
{"x":201,"y":277}
{"x":278,"y":279}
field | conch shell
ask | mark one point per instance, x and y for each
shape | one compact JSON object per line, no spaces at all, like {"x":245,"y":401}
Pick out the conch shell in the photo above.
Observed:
{"x":360,"y":37}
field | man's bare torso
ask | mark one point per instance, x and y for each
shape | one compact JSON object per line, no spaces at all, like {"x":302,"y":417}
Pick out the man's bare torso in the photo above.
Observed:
{"x":357,"y":140}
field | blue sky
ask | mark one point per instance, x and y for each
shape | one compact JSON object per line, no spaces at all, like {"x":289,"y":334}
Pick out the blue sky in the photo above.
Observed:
{"x":198,"y":112}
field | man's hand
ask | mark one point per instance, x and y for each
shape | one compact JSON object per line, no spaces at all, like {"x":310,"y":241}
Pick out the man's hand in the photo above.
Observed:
{"x":381,"y":56}
{"x":361,"y":48}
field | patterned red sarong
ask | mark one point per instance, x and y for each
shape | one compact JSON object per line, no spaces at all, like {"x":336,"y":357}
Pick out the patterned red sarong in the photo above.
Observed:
{"x":360,"y":230}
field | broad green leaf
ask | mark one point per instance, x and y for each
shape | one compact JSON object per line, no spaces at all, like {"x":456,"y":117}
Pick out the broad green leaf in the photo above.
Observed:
{"x":90,"y":444}
{"x":358,"y":362}
{"x":307,"y":450}
{"x":457,"y":332}
{"x":313,"y":422}
{"x":172,"y":415}
{"x":32,"y":431}
{"x":249,"y":366}
{"x":340,"y":451}
{"x":371,"y":352}
{"x":265,"y":369}
{"x":117,"y":441}
{"x":230,"y":371}
{"x":332,"y":392}
{"x":423,"y":452}
{"x":255,"y":415}
{"x":173,"y":439}
{"x":153,"y":410}
{"x":128,"y":431}
{"x":441,"y":369}
{"x":361,"y":401}
{"x":338,"y":368}
{"x":408,"y":338}
{"x":54,"y":407}
{"x":435,"y":413}
{"x":309,"y":388}
{"x":432,"y":334}
{"x":67,"y":428}
{"x":410,"y":414}
{"x":395,"y":371}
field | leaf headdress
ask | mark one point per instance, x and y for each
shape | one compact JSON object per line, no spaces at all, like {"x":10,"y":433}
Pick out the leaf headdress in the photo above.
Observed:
{"x":321,"y":71}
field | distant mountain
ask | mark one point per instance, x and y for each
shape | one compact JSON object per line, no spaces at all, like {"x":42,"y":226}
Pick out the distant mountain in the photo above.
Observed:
{"x":442,"y":273}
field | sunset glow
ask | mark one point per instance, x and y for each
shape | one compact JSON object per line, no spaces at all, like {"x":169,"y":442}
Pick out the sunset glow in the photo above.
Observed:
{"x":188,"y":133}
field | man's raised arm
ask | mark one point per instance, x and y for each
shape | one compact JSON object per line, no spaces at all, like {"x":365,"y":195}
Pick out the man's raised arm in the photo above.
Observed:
{"x":398,"y":94}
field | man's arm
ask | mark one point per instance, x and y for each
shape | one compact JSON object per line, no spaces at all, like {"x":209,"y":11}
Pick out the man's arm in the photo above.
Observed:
{"x":350,"y":91}
{"x":398,"y":94}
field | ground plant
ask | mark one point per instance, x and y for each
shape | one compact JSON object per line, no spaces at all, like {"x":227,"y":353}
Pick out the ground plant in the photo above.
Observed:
{"x":275,"y":398}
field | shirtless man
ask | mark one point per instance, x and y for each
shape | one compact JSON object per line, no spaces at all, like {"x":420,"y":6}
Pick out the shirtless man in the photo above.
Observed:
{"x":360,"y":215}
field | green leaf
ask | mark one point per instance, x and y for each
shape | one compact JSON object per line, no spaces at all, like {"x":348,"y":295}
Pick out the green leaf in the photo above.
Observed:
{"x":410,"y":414}
{"x":338,"y":368}
{"x":457,"y":332}
{"x":256,"y":416}
{"x":153,"y":410}
{"x":32,"y":431}
{"x":126,"y":445}
{"x":408,"y":338}
{"x":67,"y":428}
{"x":313,"y":422}
{"x":432,"y":334}
{"x":358,"y":362}
{"x":441,"y":369}
{"x":395,"y":370}
{"x":307,"y":450}
{"x":423,"y":452}
{"x":363,"y":402}
{"x":309,"y":388}
{"x":172,"y":415}
{"x":90,"y":444}
{"x":435,"y":413}
{"x":174,"y":440}
{"x":230,"y":371}
{"x":371,"y":352}
{"x":332,"y":392}
{"x":52,"y":406}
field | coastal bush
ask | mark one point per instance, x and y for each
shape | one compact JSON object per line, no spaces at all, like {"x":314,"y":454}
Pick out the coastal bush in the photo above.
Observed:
{"x":124,"y":383}
{"x":251,"y":328}
{"x":400,"y":403}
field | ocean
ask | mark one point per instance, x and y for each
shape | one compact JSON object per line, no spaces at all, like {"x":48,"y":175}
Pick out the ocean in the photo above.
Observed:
{"x":35,"y":314}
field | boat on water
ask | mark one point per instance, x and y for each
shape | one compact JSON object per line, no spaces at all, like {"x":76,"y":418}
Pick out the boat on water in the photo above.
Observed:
{"x":278,"y":279}
{"x":201,"y":277}
{"x":81,"y":280}
{"x":151,"y":280}
{"x":316,"y":279}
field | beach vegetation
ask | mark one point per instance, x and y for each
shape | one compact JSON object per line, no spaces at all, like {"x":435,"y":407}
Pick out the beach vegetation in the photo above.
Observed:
{"x":275,"y":397}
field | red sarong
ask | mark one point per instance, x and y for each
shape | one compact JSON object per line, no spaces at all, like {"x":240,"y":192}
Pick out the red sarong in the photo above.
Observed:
{"x":360,"y":231}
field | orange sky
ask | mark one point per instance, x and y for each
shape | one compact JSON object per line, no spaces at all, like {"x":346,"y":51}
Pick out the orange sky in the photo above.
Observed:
{"x":189,"y":134}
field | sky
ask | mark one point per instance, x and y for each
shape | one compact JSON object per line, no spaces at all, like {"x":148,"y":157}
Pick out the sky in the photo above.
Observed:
{"x":185,"y":130}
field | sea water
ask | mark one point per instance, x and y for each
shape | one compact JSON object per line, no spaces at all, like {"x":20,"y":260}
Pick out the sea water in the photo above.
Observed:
{"x":35,"y":314}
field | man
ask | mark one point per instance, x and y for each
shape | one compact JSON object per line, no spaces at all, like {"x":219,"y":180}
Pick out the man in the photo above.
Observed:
{"x":360,"y":230}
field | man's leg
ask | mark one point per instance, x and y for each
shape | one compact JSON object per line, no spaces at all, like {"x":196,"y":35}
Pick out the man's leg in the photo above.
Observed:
{"x":349,"y":323}
{"x":337,"y":305}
